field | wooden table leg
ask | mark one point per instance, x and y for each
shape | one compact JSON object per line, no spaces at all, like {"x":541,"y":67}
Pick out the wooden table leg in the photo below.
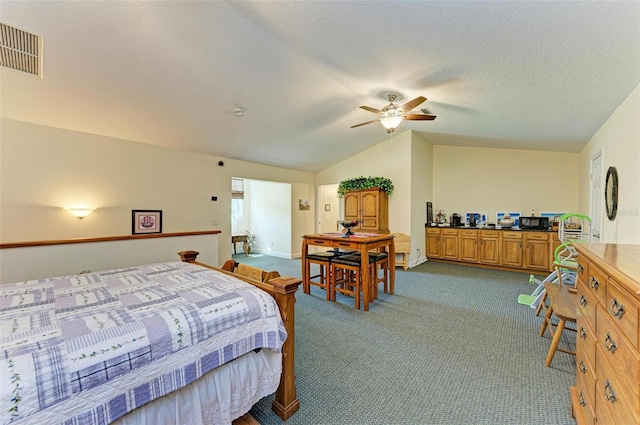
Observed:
{"x":306,"y":286}
{"x":392,"y":267}
{"x":364,"y":272}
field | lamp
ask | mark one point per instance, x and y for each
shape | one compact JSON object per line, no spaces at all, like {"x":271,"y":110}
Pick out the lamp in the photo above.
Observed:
{"x":390,"y":123}
{"x":391,"y":115}
{"x":80,"y":212}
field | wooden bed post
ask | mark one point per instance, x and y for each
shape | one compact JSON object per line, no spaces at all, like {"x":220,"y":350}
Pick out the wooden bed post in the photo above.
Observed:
{"x":283,"y":289}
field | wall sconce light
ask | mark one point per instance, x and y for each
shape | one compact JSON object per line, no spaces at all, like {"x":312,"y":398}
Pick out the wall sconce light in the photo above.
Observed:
{"x":80,"y":212}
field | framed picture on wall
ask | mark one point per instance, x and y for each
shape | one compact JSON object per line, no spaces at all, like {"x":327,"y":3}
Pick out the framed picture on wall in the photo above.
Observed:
{"x":146,"y":221}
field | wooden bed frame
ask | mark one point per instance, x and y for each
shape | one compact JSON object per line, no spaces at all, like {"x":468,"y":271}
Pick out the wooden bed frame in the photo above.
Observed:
{"x":283,"y":290}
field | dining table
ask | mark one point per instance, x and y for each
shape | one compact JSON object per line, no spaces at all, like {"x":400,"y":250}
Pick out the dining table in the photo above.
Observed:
{"x":357,"y":241}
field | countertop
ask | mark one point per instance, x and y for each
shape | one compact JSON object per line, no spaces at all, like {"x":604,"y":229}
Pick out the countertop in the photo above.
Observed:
{"x":515,"y":229}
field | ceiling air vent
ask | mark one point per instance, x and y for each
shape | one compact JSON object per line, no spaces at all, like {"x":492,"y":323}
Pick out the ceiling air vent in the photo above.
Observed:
{"x":20,"y":50}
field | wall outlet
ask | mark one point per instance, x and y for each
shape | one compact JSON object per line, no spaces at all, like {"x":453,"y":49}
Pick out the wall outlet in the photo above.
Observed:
{"x":216,"y":222}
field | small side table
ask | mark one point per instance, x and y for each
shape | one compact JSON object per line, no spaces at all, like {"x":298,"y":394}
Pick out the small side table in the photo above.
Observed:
{"x":245,"y":243}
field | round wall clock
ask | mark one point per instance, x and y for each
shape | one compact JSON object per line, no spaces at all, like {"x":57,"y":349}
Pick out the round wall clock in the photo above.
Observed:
{"x":611,"y":193}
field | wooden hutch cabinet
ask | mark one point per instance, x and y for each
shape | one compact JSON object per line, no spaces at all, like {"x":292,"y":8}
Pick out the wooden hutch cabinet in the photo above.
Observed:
{"x":371,"y":207}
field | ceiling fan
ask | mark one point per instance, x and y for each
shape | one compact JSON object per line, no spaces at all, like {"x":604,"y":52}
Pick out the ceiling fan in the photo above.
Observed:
{"x":392,"y":114}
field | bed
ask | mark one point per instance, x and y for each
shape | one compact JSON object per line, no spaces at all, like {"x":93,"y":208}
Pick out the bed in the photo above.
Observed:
{"x":173,"y":342}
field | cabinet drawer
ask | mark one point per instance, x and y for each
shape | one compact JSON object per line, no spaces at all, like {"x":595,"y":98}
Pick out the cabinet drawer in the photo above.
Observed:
{"x":320,"y":242}
{"x":623,"y":310}
{"x":511,"y":235}
{"x":472,"y":233}
{"x":537,"y":236}
{"x":613,"y":406}
{"x":586,"y":384}
{"x":587,"y":305}
{"x":621,"y":356}
{"x":433,"y":231}
{"x":345,"y":244}
{"x":490,"y":234}
{"x":583,"y":268}
{"x":586,"y":340}
{"x":453,"y":232}
{"x":597,"y":283}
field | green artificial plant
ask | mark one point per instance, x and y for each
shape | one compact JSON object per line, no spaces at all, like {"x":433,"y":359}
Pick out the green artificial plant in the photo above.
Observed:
{"x":359,"y":183}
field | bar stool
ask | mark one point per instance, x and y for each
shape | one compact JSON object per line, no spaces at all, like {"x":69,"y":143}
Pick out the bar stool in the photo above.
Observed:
{"x":380,"y":260}
{"x":323,"y":260}
{"x":350,"y":282}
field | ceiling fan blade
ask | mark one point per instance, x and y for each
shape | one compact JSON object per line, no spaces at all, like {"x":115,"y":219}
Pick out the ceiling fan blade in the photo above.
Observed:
{"x":419,"y":117}
{"x":412,"y":103}
{"x":370,"y":109}
{"x":363,"y":123}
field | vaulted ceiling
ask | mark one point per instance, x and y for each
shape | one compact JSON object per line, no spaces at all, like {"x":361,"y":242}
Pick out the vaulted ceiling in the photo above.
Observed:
{"x":517,"y":74}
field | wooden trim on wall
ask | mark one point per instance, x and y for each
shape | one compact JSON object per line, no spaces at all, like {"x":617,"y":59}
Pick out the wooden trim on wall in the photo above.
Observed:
{"x":105,"y":239}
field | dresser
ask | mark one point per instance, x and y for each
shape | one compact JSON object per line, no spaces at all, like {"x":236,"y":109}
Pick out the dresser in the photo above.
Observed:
{"x":607,"y":387}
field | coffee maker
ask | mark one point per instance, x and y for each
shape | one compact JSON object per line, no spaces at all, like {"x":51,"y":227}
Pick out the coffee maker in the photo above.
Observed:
{"x":455,"y":220}
{"x":472,"y":220}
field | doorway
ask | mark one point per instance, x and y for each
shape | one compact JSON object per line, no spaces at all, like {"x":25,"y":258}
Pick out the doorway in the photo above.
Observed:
{"x":596,"y":196}
{"x":328,"y":208}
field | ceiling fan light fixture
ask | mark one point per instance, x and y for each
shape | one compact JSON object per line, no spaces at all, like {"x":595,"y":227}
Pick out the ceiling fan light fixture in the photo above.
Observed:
{"x":391,"y":122}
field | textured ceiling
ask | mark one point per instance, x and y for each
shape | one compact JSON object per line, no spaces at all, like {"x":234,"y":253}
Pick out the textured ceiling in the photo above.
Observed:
{"x":517,"y":74}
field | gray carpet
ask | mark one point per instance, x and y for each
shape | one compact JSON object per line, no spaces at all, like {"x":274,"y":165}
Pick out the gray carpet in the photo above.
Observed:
{"x":452,"y":346}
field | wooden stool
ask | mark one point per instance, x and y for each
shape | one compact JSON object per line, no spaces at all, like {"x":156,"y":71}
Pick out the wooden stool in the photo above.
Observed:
{"x":562,"y":303}
{"x":322,"y":259}
{"x":351,"y":281}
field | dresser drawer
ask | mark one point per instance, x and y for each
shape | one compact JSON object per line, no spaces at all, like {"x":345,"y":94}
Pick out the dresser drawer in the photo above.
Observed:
{"x":585,"y":340}
{"x":613,"y":406}
{"x":623,"y":359}
{"x":597,"y":283}
{"x":583,"y":269}
{"x":469,"y":233}
{"x":450,"y":232}
{"x":511,"y":235}
{"x":489,"y":234}
{"x":433,"y":231}
{"x":623,"y":310}
{"x":586,"y":385}
{"x":587,"y":305}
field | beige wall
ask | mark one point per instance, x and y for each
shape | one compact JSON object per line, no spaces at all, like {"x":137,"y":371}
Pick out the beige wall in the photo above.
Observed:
{"x":44,"y":169}
{"x":619,"y":139}
{"x":492,"y":180}
{"x":421,"y":192}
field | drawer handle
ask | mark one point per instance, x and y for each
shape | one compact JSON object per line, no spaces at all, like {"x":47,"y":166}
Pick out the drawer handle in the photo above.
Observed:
{"x":344,"y":244}
{"x":583,"y":369}
{"x":609,"y":395}
{"x":609,"y":343}
{"x":581,"y":399}
{"x":583,"y":301}
{"x":593,"y":284}
{"x":580,"y":268}
{"x":583,"y":334}
{"x":617,"y":310}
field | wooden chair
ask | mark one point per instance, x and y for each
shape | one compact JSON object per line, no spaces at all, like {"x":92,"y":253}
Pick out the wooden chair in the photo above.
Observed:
{"x":403,"y":247}
{"x":562,"y":304}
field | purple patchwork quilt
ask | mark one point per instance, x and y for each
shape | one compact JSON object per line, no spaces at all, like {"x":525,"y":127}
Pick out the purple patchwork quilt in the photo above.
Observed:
{"x":87,"y":349}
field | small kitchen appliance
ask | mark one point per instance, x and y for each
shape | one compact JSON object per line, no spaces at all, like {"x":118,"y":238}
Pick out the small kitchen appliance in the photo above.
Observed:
{"x":455,"y":220}
{"x":472,"y":220}
{"x":534,"y":223}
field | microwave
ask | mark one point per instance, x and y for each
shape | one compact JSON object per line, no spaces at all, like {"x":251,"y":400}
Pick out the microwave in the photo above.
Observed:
{"x":536,"y":223}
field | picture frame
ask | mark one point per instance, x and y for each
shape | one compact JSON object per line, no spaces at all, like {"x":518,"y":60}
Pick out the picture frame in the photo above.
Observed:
{"x":146,"y":222}
{"x":304,"y":205}
{"x":429,"y":212}
{"x":515,"y":216}
{"x":481,"y":217}
{"x":552,"y":215}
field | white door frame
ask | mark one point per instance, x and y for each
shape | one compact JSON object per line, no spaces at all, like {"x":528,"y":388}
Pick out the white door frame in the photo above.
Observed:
{"x":596,"y":176}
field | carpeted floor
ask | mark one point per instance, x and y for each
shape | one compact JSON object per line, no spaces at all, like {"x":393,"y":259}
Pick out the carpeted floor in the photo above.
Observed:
{"x":452,"y":346}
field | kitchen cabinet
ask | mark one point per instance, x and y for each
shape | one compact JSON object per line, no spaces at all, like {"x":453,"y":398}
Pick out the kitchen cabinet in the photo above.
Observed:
{"x":432,"y":241}
{"x":370,"y":207}
{"x":442,"y":243}
{"x":536,"y":251}
{"x":469,"y":245}
{"x":511,"y":249}
{"x":450,"y":244}
{"x":489,"y":247}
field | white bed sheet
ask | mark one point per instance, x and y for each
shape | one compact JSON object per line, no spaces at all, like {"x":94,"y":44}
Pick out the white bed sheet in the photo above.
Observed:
{"x":218,"y":397}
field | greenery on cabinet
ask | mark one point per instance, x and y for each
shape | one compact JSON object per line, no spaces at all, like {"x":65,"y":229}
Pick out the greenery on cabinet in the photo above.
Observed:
{"x":359,"y":183}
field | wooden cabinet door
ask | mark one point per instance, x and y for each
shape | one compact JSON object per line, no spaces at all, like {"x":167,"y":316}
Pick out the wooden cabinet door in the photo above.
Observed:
{"x":450,"y":244}
{"x":433,"y":243}
{"x":469,"y":245}
{"x":490,"y":250}
{"x":537,"y":254}
{"x":512,"y":252}
{"x":369,"y":210}
{"x":352,"y":206}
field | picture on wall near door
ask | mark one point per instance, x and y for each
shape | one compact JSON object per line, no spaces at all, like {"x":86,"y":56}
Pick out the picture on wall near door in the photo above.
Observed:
{"x":429,"y":212}
{"x":303,"y":205}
